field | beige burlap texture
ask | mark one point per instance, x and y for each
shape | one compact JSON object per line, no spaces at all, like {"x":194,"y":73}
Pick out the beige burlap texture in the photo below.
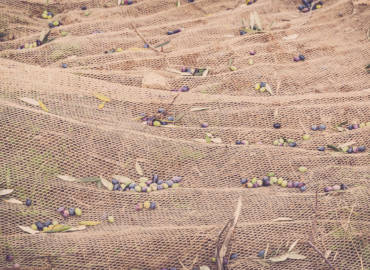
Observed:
{"x":75,"y":137}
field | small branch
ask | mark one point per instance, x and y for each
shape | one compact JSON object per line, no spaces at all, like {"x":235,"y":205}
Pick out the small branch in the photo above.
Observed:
{"x":221,"y":251}
{"x":322,"y":255}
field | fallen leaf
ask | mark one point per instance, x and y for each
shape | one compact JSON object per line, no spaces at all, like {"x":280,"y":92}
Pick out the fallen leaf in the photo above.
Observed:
{"x":12,"y":200}
{"x":101,"y":105}
{"x":257,"y":20}
{"x":196,"y":109}
{"x":102,"y":97}
{"x":28,"y":230}
{"x":122,"y":179}
{"x":30,"y":101}
{"x":90,"y":179}
{"x":89,"y":223}
{"x":296,"y":256}
{"x":138,"y":168}
{"x":204,"y":267}
{"x":208,"y":139}
{"x":327,"y":253}
{"x":216,"y":140}
{"x":105,"y":183}
{"x":290,"y":37}
{"x":282,"y":219}
{"x":268,"y":89}
{"x":4,"y":192}
{"x":280,"y":258}
{"x":78,"y":228}
{"x":292,"y":246}
{"x":68,"y":178}
{"x":44,"y":36}
{"x":179,"y":117}
{"x":43,"y":107}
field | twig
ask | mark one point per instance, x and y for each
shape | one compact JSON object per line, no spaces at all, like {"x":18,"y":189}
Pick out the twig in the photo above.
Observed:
{"x":221,"y":251}
{"x":173,"y":100}
{"x":322,"y":255}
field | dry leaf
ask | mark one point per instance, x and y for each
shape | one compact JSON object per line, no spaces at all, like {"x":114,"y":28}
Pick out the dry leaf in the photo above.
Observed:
{"x":290,"y":37}
{"x":78,"y":228}
{"x":101,"y":105}
{"x":68,"y":178}
{"x":216,"y":140}
{"x":257,"y":21}
{"x":43,"y":107}
{"x":296,"y":256}
{"x":268,"y":89}
{"x":30,"y":101}
{"x":102,"y":97}
{"x":12,"y":200}
{"x":105,"y":183}
{"x":138,"y":168}
{"x":282,"y":219}
{"x":251,"y":21}
{"x":198,"y":109}
{"x":327,"y":253}
{"x":4,"y":192}
{"x":122,"y":179}
{"x":28,"y":230}
{"x":292,"y":246}
{"x":280,"y":258}
{"x":204,"y":267}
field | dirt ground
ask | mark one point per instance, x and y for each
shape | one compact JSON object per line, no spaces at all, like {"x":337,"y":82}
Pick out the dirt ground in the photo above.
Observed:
{"x":98,"y":52}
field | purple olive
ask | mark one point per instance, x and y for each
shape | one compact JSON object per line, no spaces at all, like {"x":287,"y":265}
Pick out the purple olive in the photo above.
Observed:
{"x":314,"y":127}
{"x":301,"y":184}
{"x":184,"y":89}
{"x":321,"y":148}
{"x":301,"y":57}
{"x":355,"y":126}
{"x":155,"y":178}
{"x":169,"y":183}
{"x":71,"y":211}
{"x":290,"y":184}
{"x":296,"y":59}
{"x":65,"y":213}
{"x":225,"y":261}
{"x":243,"y":181}
{"x":114,"y":181}
{"x":261,"y":254}
{"x":60,"y":209}
{"x":303,"y":188}
{"x":234,"y":256}
{"x":295,"y":184}
{"x":39,"y":225}
{"x":144,"y":189}
{"x":277,"y":125}
{"x":149,"y":182}
{"x":255,"y":185}
{"x":361,"y":148}
{"x":47,"y":223}
{"x":159,"y":187}
{"x":146,"y":45}
{"x":161,"y":110}
{"x":153,"y":205}
{"x":343,"y":187}
{"x":160,"y":182}
{"x":204,"y":125}
{"x":252,"y":52}
{"x":28,"y":202}
{"x":9,"y":258}
{"x":328,"y":189}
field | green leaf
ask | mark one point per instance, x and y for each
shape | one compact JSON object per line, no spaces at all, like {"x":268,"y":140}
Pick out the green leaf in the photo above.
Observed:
{"x":208,"y":139}
{"x":334,"y":148}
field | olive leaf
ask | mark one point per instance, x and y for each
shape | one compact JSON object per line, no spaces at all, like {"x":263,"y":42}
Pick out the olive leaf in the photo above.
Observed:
{"x":68,"y":178}
{"x":105,"y":183}
{"x":292,"y":246}
{"x":280,"y":258}
{"x":204,"y":267}
{"x":30,"y":101}
{"x":89,"y":223}
{"x":4,"y":192}
{"x":43,"y":106}
{"x":122,"y":179}
{"x":296,"y":256}
{"x":74,"y":229}
{"x":196,"y":109}
{"x":208,"y":139}
{"x":282,"y":219}
{"x":257,"y":21}
{"x":290,"y":37}
{"x":334,"y":148}
{"x":44,"y":36}
{"x":89,"y":179}
{"x":138,"y":168}
{"x":12,"y":200}
{"x":179,"y":117}
{"x":268,"y":89}
{"x":28,"y":230}
{"x":102,"y":97}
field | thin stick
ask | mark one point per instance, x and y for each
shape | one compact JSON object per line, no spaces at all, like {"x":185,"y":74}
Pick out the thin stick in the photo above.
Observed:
{"x":322,"y":255}
{"x":142,"y":38}
{"x":221,"y":251}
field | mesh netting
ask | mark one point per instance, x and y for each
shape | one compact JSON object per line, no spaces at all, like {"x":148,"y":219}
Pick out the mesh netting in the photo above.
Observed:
{"x":79,"y":139}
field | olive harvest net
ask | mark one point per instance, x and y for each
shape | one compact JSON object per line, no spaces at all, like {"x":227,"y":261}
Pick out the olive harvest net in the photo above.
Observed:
{"x":72,"y":105}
